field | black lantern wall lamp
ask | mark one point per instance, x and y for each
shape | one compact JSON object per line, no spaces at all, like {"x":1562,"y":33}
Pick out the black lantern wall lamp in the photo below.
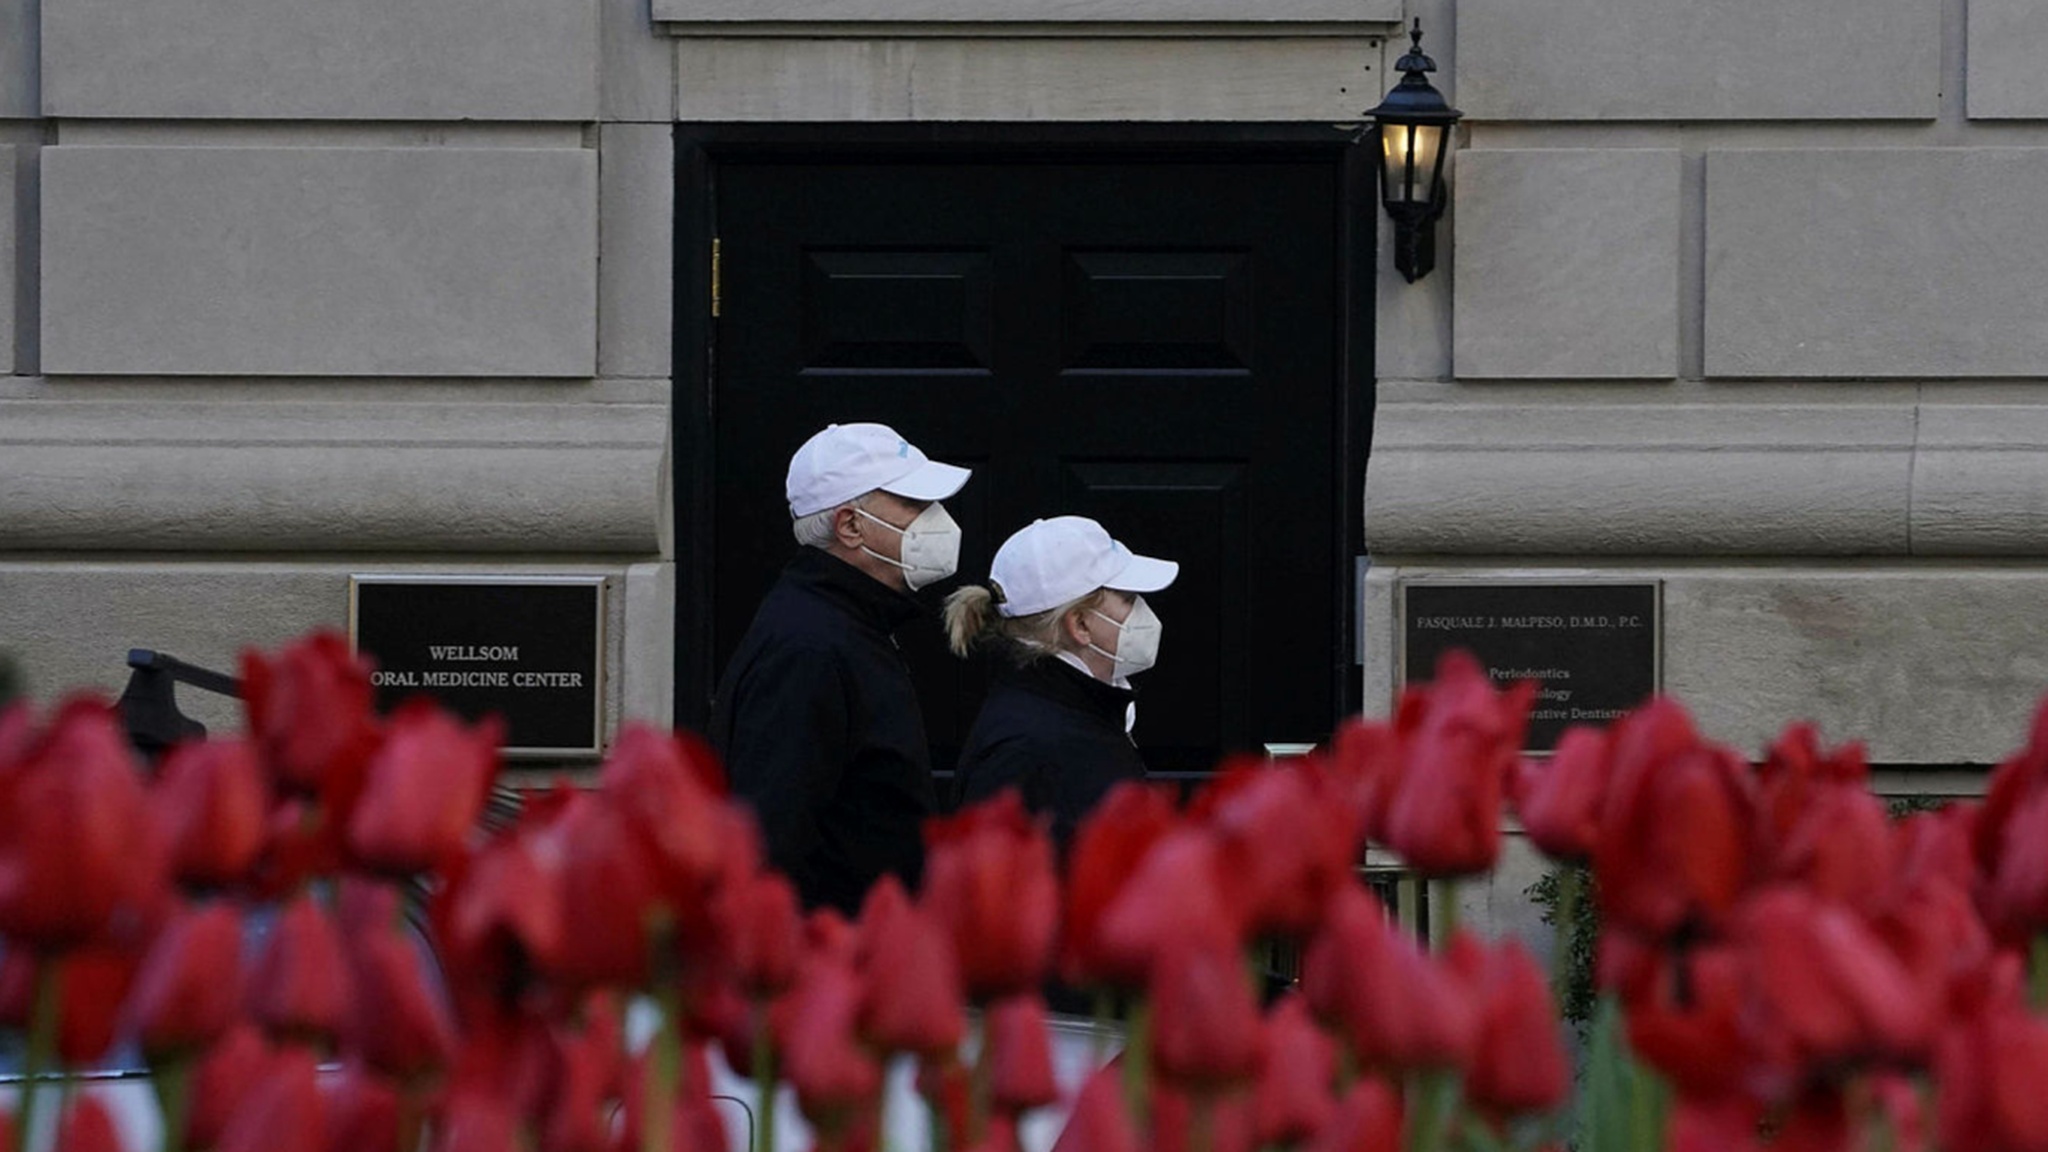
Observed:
{"x":1414,"y":128}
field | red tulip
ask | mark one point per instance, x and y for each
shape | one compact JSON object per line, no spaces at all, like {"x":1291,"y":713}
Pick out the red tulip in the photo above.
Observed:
{"x":1365,"y":760}
{"x":989,"y":880}
{"x":1896,"y":1101}
{"x":1290,"y":839}
{"x":300,"y":985}
{"x":1715,"y":1124}
{"x":1839,"y":847}
{"x":397,"y":1024}
{"x":910,"y":981}
{"x":361,"y":1109}
{"x":1443,"y":813}
{"x":608,"y":896}
{"x":1685,"y":1012}
{"x":1020,"y":1054}
{"x":475,"y":1121}
{"x":1559,"y":799}
{"x":500,"y":913}
{"x":669,"y":789}
{"x":1225,"y":1121}
{"x":1828,"y":984}
{"x":1935,"y":934}
{"x":211,"y":798}
{"x":423,"y":789}
{"x":1674,"y":844}
{"x":188,"y":990}
{"x":832,"y":1072}
{"x":1294,"y":1099}
{"x":948,"y":1089}
{"x":94,"y":982}
{"x":235,"y":1063}
{"x":588,"y":1073}
{"x":1395,"y":1007}
{"x":1177,"y":898}
{"x":1367,"y":1119}
{"x":309,"y":710}
{"x":1518,"y":1063}
{"x":282,"y":1112}
{"x":760,"y":928}
{"x":1205,"y":1031}
{"x":77,"y":842}
{"x":1099,"y":1121}
{"x":1105,"y":853}
{"x":87,"y":1127}
{"x":1990,"y":1071}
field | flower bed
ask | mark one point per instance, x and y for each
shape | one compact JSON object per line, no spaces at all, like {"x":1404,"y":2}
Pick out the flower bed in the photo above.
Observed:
{"x":1781,"y":964}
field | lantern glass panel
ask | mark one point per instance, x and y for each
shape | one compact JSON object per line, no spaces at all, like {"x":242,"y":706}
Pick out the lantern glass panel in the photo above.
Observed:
{"x":1410,"y":161}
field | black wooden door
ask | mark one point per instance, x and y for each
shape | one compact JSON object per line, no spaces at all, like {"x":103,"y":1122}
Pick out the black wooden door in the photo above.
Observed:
{"x":1151,"y":342}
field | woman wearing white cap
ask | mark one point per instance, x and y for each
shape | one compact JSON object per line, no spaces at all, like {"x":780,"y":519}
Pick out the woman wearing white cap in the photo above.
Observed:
{"x":1065,"y":617}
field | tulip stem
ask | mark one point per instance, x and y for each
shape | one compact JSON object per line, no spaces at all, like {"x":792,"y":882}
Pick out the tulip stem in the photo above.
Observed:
{"x":1105,"y":1007}
{"x":1434,"y":1094}
{"x":2037,"y":972}
{"x":980,"y":1084}
{"x":1445,"y":925}
{"x":1137,"y":1063}
{"x":666,"y":1060}
{"x":1565,"y":928}
{"x":173,"y":1084}
{"x":1201,"y":1124}
{"x":764,"y":1076}
{"x":42,"y":1043}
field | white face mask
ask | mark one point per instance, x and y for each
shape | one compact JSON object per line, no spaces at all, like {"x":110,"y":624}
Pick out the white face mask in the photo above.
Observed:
{"x":931,"y":546}
{"x":1137,"y":646}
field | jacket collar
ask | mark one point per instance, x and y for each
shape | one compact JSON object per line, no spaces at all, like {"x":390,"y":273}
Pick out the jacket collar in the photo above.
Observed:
{"x":1065,"y":684}
{"x":853,"y":591}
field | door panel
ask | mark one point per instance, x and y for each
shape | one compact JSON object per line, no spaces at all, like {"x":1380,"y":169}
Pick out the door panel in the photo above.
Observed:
{"x":1149,"y":342}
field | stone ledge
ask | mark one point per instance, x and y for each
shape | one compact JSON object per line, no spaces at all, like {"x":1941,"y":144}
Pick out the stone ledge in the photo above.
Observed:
{"x":1639,"y":479}
{"x":1290,"y":77}
{"x":1980,"y":481}
{"x":271,"y":477}
{"x":842,"y":18}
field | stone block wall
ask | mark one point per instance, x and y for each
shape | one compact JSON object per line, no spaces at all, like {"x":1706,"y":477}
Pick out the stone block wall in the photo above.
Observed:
{"x":293,"y":290}
{"x":1743,"y":297}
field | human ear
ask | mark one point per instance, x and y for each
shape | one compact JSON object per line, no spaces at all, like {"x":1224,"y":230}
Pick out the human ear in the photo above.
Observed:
{"x":846,"y":527}
{"x":1075,"y":625}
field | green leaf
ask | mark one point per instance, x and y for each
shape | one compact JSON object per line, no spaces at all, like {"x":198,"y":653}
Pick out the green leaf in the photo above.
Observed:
{"x":1623,"y":1105}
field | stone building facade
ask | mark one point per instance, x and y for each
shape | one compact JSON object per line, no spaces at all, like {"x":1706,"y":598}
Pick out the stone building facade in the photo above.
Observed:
{"x":1743,"y":297}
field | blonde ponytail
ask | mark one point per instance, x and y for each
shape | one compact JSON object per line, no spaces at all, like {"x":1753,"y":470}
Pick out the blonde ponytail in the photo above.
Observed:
{"x":969,"y":614}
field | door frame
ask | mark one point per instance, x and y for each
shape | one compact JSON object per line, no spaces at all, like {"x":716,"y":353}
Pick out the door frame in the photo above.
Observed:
{"x":699,"y":150}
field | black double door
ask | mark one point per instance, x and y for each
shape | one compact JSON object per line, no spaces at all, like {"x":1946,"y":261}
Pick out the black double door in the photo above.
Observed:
{"x":1150,"y":342}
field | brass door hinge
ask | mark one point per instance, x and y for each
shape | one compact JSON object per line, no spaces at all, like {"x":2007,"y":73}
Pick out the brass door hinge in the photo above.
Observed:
{"x":717,"y":280}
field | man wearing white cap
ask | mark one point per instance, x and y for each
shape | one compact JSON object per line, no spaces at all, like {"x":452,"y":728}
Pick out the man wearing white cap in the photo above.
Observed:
{"x":816,"y":716}
{"x":1064,"y":616}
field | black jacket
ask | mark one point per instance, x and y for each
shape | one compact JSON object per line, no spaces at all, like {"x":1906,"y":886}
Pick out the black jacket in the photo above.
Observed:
{"x":821,"y":731}
{"x":1056,"y":734}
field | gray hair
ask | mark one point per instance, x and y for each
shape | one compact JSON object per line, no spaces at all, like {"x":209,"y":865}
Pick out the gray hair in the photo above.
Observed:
{"x":815,"y":530}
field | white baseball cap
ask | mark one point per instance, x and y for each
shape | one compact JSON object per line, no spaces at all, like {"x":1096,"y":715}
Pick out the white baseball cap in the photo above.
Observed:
{"x":849,"y":460}
{"x":1052,"y":562}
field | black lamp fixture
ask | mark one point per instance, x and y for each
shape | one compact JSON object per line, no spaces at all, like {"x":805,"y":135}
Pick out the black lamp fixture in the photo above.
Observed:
{"x":1414,"y":128}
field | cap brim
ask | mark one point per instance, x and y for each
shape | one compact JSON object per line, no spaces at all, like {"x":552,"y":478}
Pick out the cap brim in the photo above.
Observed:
{"x":1143,"y":574}
{"x":930,"y":481}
